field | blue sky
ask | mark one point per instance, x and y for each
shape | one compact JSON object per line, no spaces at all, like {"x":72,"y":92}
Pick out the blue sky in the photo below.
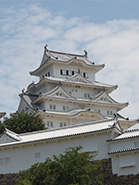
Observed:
{"x":108,"y":30}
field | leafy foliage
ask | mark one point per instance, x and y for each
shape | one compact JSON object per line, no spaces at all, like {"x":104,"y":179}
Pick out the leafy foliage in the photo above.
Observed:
{"x":24,"y":122}
{"x":1,"y":127}
{"x":70,"y":168}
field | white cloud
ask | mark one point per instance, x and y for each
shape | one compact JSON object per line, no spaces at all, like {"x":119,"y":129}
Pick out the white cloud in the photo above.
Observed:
{"x":26,"y":30}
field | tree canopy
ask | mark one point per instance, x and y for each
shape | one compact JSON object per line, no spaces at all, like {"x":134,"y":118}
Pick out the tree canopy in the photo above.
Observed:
{"x":1,"y":127}
{"x":23,"y":122}
{"x":70,"y":168}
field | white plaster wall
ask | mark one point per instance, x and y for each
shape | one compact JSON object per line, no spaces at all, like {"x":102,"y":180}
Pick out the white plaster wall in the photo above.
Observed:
{"x":73,"y":67}
{"x":60,"y":103}
{"x":46,"y":70}
{"x":130,"y":164}
{"x":122,"y":144}
{"x":56,"y":121}
{"x":80,"y":92}
{"x":66,"y":120}
{"x":22,"y":157}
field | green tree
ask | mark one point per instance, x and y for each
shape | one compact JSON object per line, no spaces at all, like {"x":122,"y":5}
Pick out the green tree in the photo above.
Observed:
{"x":24,"y":122}
{"x":1,"y":127}
{"x":70,"y":168}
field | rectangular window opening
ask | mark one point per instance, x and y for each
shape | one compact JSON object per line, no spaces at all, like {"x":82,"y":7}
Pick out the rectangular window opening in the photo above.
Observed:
{"x":61,"y":71}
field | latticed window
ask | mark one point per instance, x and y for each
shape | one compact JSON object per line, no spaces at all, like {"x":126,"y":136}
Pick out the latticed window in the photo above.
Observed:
{"x":37,"y":155}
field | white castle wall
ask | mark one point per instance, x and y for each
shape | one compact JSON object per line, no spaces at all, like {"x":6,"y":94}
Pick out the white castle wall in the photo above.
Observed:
{"x":72,"y":67}
{"x":125,"y":163}
{"x":20,"y":157}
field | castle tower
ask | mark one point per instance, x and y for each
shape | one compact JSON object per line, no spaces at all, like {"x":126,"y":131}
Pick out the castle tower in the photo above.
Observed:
{"x":67,"y":92}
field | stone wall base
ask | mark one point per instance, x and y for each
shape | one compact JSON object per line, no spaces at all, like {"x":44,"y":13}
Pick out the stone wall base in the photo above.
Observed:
{"x":105,"y":171}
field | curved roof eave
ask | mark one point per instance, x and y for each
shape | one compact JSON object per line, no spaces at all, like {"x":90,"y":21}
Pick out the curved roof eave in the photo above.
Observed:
{"x":27,"y":102}
{"x":107,"y":87}
{"x":71,"y":113}
{"x":40,"y":68}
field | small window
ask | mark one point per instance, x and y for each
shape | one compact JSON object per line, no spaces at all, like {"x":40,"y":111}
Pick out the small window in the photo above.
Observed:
{"x":107,"y":112}
{"x":54,"y":107}
{"x":64,"y":124}
{"x":49,"y":73}
{"x":47,"y":123}
{"x":64,"y":108}
{"x":72,"y":72}
{"x":60,"y":124}
{"x":37,"y":155}
{"x":111,"y":113}
{"x":98,"y":111}
{"x":67,"y":72}
{"x":50,"y":106}
{"x":61,"y":71}
{"x":84,"y":74}
{"x":136,"y":144}
{"x":5,"y":161}
{"x":51,"y":123}
{"x":1,"y":161}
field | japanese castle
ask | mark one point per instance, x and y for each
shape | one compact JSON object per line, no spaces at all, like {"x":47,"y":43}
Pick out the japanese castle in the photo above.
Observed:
{"x":77,"y":110}
{"x":67,"y":92}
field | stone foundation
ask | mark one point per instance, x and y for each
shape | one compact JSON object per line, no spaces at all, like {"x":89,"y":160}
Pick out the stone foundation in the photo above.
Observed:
{"x":110,"y":179}
{"x":106,"y":172}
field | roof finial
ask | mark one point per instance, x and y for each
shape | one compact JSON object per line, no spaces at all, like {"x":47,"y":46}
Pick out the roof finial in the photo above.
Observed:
{"x":45,"y":47}
{"x":85,"y":53}
{"x":23,"y":90}
{"x":115,"y":116}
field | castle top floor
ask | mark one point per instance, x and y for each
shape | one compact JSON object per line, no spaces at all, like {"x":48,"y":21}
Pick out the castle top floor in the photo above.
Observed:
{"x":64,"y":65}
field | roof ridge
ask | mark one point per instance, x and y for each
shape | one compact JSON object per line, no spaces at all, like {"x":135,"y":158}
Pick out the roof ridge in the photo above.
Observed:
{"x":72,"y":54}
{"x":132,"y":130}
{"x":124,"y":150}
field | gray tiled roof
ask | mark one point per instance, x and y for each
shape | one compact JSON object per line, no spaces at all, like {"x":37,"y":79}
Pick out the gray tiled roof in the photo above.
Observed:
{"x":124,"y":150}
{"x":70,"y":131}
{"x":127,"y":135}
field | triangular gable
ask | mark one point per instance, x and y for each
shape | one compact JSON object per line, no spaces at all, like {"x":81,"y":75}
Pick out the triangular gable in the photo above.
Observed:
{"x":8,"y":137}
{"x":103,"y":97}
{"x":58,"y":92}
{"x":78,"y":78}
